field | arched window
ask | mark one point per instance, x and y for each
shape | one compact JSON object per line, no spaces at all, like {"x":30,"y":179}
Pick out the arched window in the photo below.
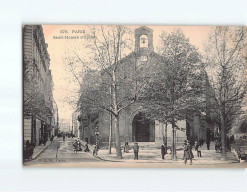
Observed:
{"x":143,"y":41}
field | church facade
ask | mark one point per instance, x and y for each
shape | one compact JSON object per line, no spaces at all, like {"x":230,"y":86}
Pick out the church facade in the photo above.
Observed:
{"x":133,"y":125}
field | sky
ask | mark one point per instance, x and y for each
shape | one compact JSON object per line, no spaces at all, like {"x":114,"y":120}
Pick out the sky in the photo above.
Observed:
{"x":65,"y":86}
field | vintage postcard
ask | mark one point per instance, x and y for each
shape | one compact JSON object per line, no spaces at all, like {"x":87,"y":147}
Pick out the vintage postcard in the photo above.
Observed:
{"x":134,"y":96}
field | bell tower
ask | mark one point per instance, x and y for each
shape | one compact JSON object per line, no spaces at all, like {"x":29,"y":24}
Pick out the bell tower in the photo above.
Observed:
{"x":144,"y":40}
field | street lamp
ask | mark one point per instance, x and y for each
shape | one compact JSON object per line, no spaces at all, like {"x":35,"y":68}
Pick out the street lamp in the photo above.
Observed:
{"x":97,"y":133}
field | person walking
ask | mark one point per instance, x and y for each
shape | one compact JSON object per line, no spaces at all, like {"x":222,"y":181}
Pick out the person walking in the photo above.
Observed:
{"x":63,"y":137}
{"x":198,"y":148}
{"x":75,"y":146}
{"x":196,"y":145}
{"x":136,"y":150}
{"x":199,"y":151}
{"x":126,"y":147}
{"x":86,"y":147}
{"x":95,"y":150}
{"x":79,"y":145}
{"x":188,"y":153}
{"x":184,"y":147}
{"x":163,"y":151}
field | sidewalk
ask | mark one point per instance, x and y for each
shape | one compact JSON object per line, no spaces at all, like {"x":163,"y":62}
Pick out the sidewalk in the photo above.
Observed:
{"x":39,"y":149}
{"x":152,"y":155}
{"x":209,"y":157}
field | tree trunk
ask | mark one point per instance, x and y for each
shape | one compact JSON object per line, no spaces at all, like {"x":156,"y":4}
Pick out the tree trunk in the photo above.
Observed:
{"x":174,"y":157}
{"x":117,"y":137}
{"x":116,"y":116}
{"x":110,"y":135}
{"x":166,"y":135}
{"x":223,"y":138}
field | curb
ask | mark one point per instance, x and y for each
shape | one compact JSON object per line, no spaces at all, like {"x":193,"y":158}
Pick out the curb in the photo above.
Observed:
{"x":34,"y":157}
{"x":165,"y":161}
{"x":108,"y":160}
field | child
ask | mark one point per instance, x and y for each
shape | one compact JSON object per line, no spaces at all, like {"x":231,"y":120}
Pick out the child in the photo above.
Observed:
{"x":199,"y":151}
{"x":95,"y":150}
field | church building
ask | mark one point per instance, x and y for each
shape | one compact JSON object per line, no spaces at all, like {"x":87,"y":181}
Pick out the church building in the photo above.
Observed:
{"x":133,"y":125}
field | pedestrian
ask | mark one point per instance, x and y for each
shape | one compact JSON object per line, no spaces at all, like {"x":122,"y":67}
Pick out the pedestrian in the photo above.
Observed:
{"x":27,"y":145}
{"x":126,"y":147}
{"x":63,"y":137}
{"x":184,"y":147}
{"x":136,"y":150}
{"x":163,"y":151}
{"x":79,"y":145}
{"x":199,"y":151}
{"x":95,"y":150}
{"x":27,"y":150}
{"x":188,"y":153}
{"x":196,"y":145}
{"x":75,"y":146}
{"x":86,"y":147}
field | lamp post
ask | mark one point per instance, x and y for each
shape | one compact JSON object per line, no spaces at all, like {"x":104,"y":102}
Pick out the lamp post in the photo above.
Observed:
{"x":97,"y":134}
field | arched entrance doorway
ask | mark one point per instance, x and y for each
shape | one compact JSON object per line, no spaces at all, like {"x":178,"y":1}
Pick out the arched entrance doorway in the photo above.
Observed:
{"x":142,"y":129}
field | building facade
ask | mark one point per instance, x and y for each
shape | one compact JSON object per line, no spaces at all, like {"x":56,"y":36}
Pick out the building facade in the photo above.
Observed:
{"x":65,"y":125}
{"x":133,"y":125}
{"x":38,"y":99}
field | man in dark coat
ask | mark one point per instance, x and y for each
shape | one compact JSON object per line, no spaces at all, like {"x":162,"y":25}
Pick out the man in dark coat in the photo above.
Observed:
{"x":188,"y":153}
{"x":95,"y":150}
{"x":136,"y":150}
{"x":86,"y":147}
{"x":163,"y":151}
{"x":126,"y":147}
{"x":184,"y":147}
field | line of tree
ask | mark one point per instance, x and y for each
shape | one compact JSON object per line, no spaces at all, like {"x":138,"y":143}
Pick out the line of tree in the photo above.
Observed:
{"x":171,"y":90}
{"x":225,"y":62}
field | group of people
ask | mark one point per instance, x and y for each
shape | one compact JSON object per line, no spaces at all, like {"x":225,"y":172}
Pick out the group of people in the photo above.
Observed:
{"x":77,"y":146}
{"x":28,"y":150}
{"x":188,"y":155}
{"x":187,"y":148}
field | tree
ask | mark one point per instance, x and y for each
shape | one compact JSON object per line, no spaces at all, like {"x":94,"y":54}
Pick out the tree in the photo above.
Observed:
{"x":226,"y":64}
{"x":33,"y":94}
{"x":175,"y":88}
{"x":108,"y":88}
